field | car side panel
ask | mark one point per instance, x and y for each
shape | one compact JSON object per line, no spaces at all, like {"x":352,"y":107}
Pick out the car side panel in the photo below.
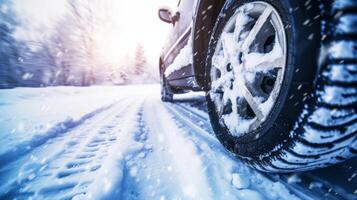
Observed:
{"x":183,"y":29}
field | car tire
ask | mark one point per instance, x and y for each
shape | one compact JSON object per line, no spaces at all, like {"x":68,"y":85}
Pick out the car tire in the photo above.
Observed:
{"x":166,"y":93}
{"x":313,"y":122}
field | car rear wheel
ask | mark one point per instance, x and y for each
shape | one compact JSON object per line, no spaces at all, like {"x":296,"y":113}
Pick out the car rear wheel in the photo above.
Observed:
{"x":268,"y":97}
{"x":166,"y":93}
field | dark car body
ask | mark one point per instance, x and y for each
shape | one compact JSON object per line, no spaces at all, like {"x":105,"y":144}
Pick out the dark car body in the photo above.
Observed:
{"x":195,"y":19}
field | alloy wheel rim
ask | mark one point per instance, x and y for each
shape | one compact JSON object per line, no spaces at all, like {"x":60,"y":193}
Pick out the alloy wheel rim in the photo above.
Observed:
{"x":248,"y":67}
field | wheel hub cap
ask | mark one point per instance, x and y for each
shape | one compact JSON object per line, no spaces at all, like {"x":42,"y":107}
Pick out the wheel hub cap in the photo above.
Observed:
{"x":248,"y":67}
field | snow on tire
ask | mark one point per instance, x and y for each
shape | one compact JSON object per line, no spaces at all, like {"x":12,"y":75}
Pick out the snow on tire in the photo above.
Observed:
{"x":312,"y":122}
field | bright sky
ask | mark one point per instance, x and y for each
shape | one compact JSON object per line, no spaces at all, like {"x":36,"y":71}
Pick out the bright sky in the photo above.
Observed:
{"x":129,"y":22}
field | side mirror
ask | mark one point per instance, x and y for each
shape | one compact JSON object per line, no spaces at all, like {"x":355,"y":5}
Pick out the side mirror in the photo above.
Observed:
{"x":165,"y":15}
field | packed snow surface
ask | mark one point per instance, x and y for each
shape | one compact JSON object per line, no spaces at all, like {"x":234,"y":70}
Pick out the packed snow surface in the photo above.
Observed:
{"x":116,"y":143}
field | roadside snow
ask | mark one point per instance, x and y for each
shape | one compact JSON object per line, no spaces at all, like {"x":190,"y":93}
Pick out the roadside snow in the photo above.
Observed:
{"x":29,"y":117}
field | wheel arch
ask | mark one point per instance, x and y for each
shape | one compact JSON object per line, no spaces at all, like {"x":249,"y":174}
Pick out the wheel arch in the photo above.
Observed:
{"x":204,"y":20}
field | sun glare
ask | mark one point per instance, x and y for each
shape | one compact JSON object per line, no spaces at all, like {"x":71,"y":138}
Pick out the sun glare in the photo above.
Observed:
{"x":120,"y":25}
{"x":129,"y":24}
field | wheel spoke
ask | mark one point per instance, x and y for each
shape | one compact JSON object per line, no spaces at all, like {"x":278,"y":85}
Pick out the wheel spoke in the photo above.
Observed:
{"x":262,"y":62}
{"x":217,"y":86}
{"x":265,"y":64}
{"x":256,"y":28}
{"x":219,"y":107}
{"x":250,"y":99}
{"x":219,"y":62}
{"x":241,"y":21}
{"x":216,"y":61}
{"x":254,"y":124}
{"x":229,"y":45}
{"x":221,"y":84}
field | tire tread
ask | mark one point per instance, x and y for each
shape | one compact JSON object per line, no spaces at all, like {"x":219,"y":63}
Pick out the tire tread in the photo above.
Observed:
{"x":328,"y":133}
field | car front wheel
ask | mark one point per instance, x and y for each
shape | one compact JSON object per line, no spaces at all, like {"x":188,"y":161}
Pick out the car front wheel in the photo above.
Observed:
{"x":273,"y":85}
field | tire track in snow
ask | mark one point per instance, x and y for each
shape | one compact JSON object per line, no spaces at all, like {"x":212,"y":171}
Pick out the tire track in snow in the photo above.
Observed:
{"x":109,"y":181}
{"x":187,"y":177}
{"x":57,"y":130}
{"x":147,"y":172}
{"x":65,"y":167}
{"x":222,"y":166}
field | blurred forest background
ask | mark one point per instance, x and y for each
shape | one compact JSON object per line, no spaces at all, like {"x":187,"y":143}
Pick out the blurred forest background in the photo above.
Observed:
{"x":66,"y":53}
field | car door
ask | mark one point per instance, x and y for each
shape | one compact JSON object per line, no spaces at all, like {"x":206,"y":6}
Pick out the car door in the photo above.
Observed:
{"x":185,"y":10}
{"x":182,"y":28}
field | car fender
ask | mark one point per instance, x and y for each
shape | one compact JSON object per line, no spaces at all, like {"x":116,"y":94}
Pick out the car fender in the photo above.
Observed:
{"x":204,"y":18}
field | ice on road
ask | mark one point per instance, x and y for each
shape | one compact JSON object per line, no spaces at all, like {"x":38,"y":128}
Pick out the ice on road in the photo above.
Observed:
{"x":110,"y":142}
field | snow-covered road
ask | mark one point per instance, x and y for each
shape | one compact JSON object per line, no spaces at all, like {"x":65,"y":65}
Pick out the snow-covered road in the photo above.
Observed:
{"x":118,"y":143}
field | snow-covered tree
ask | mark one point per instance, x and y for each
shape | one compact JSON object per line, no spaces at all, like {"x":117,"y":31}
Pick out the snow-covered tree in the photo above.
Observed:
{"x":8,"y":48}
{"x":140,"y":60}
{"x":72,"y":50}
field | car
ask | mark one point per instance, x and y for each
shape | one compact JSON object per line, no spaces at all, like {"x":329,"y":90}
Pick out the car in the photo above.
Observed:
{"x":280,"y":76}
